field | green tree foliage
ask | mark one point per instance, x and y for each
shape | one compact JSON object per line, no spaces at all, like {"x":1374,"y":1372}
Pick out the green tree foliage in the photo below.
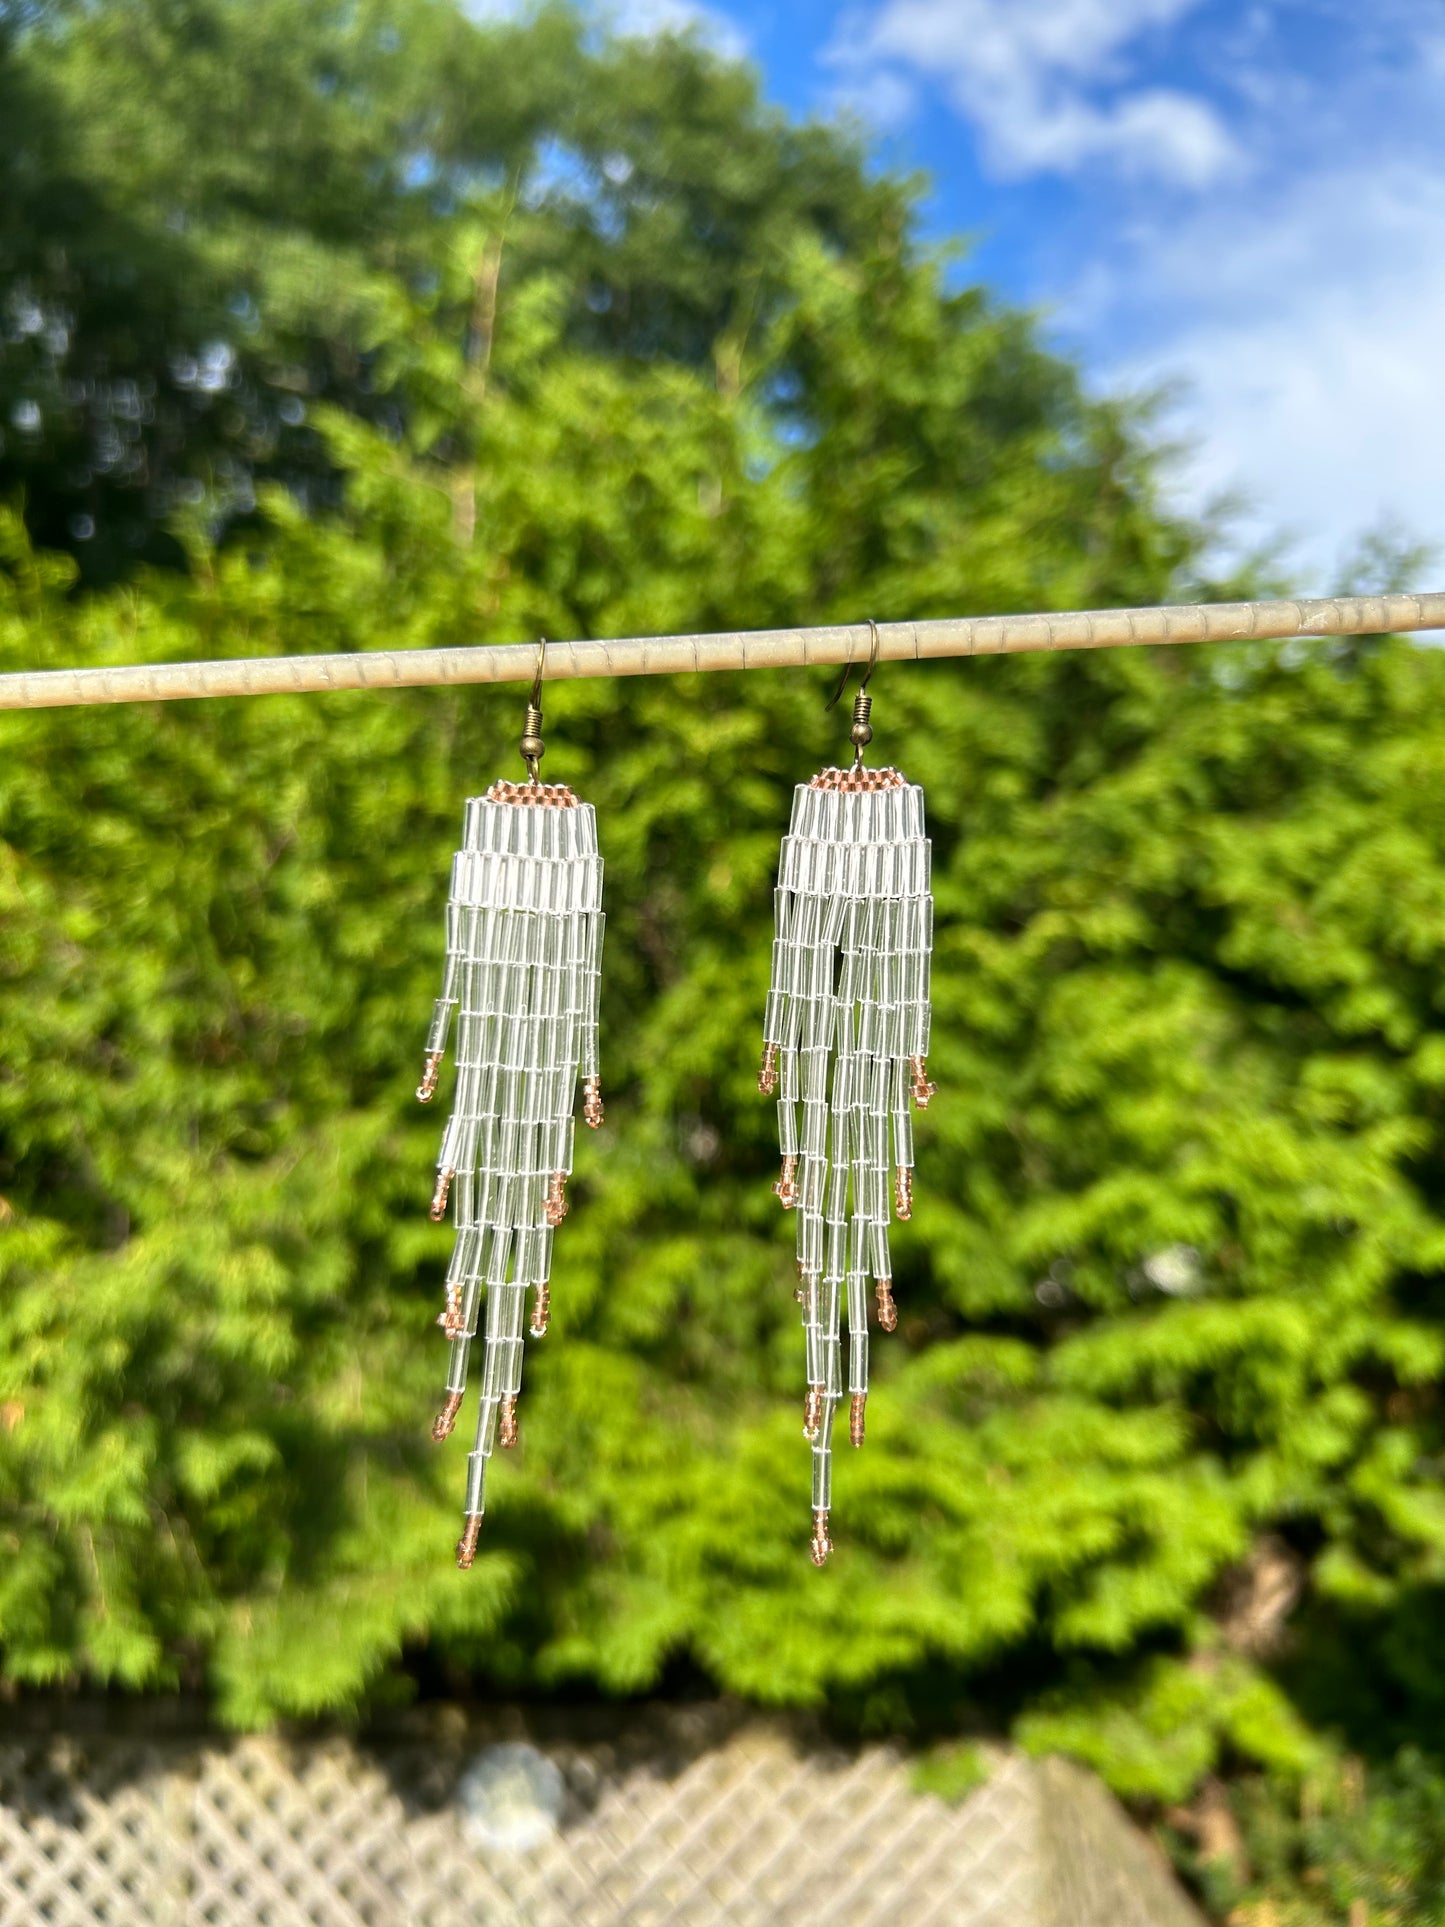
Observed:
{"x":634,"y":355}
{"x":1346,"y":1844}
{"x":219,"y":215}
{"x":95,"y":301}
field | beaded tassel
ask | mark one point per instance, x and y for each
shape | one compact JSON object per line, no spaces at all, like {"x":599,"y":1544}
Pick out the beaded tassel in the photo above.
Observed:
{"x":845,"y":1043}
{"x":524,"y":941}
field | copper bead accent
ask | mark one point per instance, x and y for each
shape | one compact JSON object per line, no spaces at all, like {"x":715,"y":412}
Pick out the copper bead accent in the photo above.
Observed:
{"x":507,"y":1423}
{"x":856,"y":779}
{"x":812,"y":1412}
{"x":887,"y":1310}
{"x":768,"y":1072}
{"x":541,"y":1310}
{"x":467,"y":1544}
{"x":922,"y":1089}
{"x":555,"y":1207}
{"x":451,"y":1319}
{"x":786,"y":1188}
{"x":439,"y":1196}
{"x":855,"y":1417}
{"x":427,"y":1089}
{"x":592,"y":1111}
{"x":555,"y":796}
{"x":446,"y":1418}
{"x":903,"y":1194}
{"x":822,"y":1545}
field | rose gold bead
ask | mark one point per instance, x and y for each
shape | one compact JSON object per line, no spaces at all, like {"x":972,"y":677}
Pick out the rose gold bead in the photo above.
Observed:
{"x":822,"y":1545}
{"x":851,"y":779}
{"x":812,"y":1412}
{"x":467,"y":1544}
{"x":556,"y":1204}
{"x":555,"y":795}
{"x":903,"y":1193}
{"x":855,"y":1418}
{"x":922,"y":1089}
{"x":451,"y":1319}
{"x":507,"y":1423}
{"x":427,"y":1089}
{"x":439,"y":1196}
{"x":887,"y":1310}
{"x":541,"y":1309}
{"x":786,"y":1188}
{"x":446,"y":1418}
{"x":768,"y":1074}
{"x":592,"y":1111}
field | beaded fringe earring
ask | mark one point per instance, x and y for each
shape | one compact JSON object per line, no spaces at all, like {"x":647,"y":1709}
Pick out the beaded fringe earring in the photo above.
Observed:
{"x":850,"y":996}
{"x":524,"y":942}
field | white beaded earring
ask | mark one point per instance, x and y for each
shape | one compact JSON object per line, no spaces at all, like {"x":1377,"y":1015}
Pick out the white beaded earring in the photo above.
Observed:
{"x":845,"y":1041}
{"x":524,"y":943}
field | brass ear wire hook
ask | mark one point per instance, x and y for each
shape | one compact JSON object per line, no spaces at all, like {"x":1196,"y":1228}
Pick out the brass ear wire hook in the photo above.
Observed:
{"x":832,"y":701}
{"x":532,"y":746}
{"x":862,"y":730}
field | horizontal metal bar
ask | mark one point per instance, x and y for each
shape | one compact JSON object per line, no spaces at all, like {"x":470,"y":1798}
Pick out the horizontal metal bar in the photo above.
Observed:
{"x":741,"y":649}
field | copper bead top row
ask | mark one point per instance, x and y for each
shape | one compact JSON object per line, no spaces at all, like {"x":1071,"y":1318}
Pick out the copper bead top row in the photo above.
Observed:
{"x":857,"y":779}
{"x":554,"y":796}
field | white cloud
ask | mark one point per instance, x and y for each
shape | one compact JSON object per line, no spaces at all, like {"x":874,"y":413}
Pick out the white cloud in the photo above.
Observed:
{"x":1155,"y":131}
{"x":883,"y":98}
{"x":1310,"y":332}
{"x":1045,"y":82}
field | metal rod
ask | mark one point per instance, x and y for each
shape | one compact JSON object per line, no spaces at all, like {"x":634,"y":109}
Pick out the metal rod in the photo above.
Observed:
{"x":742,"y":649}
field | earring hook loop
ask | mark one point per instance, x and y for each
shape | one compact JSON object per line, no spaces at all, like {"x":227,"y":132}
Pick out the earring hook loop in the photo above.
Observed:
{"x":535,"y":698}
{"x":872,"y":654}
{"x":832,"y":702}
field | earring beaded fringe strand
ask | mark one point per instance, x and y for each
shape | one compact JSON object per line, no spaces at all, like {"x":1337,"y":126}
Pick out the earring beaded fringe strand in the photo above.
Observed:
{"x":524,"y":944}
{"x":850,"y":997}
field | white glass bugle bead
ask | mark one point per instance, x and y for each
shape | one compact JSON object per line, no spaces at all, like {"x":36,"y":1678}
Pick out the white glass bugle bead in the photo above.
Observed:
{"x":520,"y":988}
{"x":845,"y":1041}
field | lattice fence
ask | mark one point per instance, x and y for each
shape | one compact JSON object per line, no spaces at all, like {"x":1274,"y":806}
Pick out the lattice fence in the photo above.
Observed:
{"x":669,"y":1820}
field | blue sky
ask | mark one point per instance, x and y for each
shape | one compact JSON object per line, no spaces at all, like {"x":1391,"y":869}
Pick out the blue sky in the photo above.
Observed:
{"x":1242,"y":199}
